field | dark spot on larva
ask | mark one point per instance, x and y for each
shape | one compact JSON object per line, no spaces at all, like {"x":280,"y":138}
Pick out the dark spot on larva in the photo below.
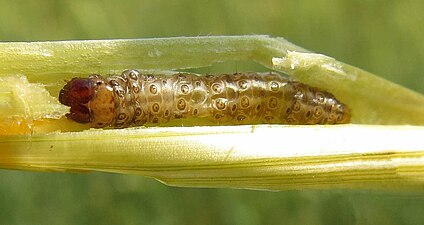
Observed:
{"x":122,"y":116}
{"x":218,"y":116}
{"x":274,"y":86}
{"x":319,"y":97}
{"x":138,"y":111}
{"x":268,"y":118}
{"x":234,"y":107}
{"x":296,"y":106}
{"x":317,"y":111}
{"x":244,"y":102}
{"x":241,"y":117}
{"x":113,"y":83}
{"x":217,"y":88}
{"x":153,"y":89}
{"x":291,"y":120}
{"x":185,"y":89}
{"x":273,"y":102}
{"x":178,"y":116}
{"x":242,"y":84}
{"x":181,"y":104}
{"x":209,"y":76}
{"x":258,"y":107}
{"x":308,"y":114}
{"x":220,"y":104}
{"x":136,"y":89}
{"x":288,"y":110}
{"x":164,"y":82}
{"x":198,"y":83}
{"x":155,"y":107}
{"x":195,"y":112}
{"x":257,"y":79}
{"x":166,"y":113}
{"x":155,"y":120}
{"x":100,"y":124}
{"x":133,"y":75}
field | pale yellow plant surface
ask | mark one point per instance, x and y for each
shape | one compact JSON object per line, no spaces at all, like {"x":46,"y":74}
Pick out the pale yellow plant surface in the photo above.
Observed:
{"x":382,"y":149}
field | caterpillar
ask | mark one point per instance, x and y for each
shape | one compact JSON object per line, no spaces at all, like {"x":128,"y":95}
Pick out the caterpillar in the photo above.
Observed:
{"x":135,"y":99}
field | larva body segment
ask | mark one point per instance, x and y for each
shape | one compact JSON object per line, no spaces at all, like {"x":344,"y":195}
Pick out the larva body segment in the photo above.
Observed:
{"x":134,"y":99}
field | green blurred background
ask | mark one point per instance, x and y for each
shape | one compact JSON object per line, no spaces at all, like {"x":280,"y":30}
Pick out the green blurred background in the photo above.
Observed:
{"x":383,"y":37}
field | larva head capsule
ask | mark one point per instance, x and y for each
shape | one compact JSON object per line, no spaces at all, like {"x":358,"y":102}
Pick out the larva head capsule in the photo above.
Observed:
{"x":91,"y":101}
{"x":77,"y":91}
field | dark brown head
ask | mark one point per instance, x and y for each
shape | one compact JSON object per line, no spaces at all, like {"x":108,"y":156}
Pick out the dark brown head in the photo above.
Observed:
{"x":76,"y":94}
